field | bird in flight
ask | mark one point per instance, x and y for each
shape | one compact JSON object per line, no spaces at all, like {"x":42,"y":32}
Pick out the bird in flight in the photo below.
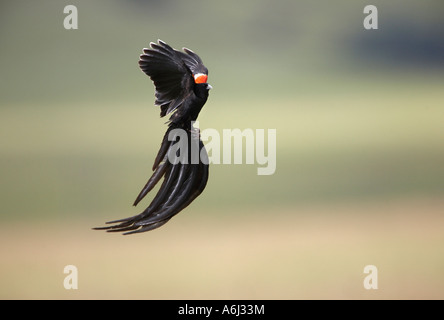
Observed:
{"x":181,"y":89}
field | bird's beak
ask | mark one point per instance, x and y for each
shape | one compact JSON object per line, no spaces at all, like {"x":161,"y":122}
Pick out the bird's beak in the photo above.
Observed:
{"x":209,"y":87}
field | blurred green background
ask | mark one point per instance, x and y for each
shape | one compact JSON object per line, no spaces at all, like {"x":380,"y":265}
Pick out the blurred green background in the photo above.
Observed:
{"x":360,"y":150}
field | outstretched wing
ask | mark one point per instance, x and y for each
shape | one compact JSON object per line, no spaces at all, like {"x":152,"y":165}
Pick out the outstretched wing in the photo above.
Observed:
{"x":172,"y":73}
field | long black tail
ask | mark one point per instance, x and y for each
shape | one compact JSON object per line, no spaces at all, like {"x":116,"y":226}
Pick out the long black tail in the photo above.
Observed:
{"x":184,"y":168}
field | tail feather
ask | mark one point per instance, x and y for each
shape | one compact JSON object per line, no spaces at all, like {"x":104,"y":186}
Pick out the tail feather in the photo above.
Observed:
{"x":182,"y":183}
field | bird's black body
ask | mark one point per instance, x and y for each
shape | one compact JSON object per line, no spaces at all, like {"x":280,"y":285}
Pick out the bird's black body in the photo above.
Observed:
{"x":181,"y":89}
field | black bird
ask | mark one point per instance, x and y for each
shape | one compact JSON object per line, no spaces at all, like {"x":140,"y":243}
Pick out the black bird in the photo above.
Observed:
{"x":180,"y":79}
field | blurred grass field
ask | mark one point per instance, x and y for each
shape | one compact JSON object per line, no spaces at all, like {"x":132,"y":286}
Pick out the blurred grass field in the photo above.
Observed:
{"x":313,"y":252}
{"x":344,"y":195}
{"x":360,"y":151}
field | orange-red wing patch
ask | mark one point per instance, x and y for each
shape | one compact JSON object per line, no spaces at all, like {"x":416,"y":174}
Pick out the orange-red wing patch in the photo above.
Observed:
{"x":200,"y":78}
